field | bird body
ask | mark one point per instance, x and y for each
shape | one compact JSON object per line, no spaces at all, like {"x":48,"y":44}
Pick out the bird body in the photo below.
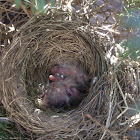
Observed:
{"x":66,"y":88}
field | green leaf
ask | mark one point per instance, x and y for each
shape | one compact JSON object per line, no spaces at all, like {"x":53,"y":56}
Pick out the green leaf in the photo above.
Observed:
{"x":52,"y":3}
{"x":132,"y":48}
{"x":40,"y":4}
{"x":17,"y":3}
{"x":33,"y":7}
{"x":26,"y":3}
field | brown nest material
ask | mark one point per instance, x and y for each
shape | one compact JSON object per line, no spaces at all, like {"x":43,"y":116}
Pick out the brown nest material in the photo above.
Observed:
{"x":39,"y":45}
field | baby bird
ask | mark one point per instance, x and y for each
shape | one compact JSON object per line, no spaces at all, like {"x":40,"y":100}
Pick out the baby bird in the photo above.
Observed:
{"x":67,"y":87}
{"x":62,"y":72}
{"x":62,"y":94}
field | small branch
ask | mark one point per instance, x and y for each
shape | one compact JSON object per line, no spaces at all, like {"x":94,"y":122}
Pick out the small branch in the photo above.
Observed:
{"x":25,"y":10}
{"x":104,"y":128}
{"x":5,"y":120}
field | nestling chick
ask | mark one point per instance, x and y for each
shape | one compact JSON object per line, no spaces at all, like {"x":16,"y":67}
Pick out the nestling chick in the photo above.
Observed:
{"x":62,"y":94}
{"x":72,"y":72}
{"x":67,"y":87}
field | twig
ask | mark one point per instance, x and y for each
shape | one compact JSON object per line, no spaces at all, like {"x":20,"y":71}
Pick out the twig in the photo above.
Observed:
{"x":104,"y":128}
{"x":5,"y":120}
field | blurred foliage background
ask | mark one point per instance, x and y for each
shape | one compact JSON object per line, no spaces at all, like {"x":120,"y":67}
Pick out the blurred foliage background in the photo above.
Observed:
{"x":130,"y":19}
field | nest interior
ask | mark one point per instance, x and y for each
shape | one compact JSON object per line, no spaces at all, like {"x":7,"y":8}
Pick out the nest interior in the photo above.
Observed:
{"x":39,"y":45}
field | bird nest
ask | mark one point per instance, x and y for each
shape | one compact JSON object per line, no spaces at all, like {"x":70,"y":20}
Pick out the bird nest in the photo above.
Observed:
{"x":43,"y":43}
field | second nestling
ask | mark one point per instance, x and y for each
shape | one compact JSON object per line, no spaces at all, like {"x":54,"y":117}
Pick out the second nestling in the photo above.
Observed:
{"x":67,"y":87}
